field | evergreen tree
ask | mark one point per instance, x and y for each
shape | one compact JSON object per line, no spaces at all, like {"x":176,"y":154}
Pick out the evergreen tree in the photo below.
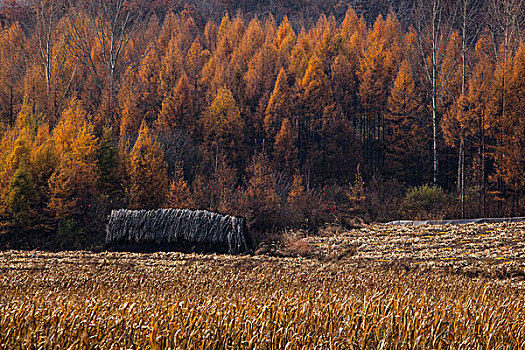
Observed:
{"x":20,"y":199}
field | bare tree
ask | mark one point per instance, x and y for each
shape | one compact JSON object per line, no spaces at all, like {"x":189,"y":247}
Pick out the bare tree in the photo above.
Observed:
{"x":470,"y":25}
{"x":13,"y":63}
{"x":51,"y":50}
{"x":109,"y":25}
{"x":433,"y":21}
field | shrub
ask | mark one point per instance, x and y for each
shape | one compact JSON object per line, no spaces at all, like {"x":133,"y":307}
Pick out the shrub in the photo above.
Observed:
{"x":425,"y":202}
{"x":306,"y":208}
{"x":294,"y":244}
{"x":259,"y":201}
{"x":383,"y":199}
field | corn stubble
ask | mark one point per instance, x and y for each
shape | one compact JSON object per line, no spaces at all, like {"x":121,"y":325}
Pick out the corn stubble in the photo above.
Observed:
{"x":78,"y":300}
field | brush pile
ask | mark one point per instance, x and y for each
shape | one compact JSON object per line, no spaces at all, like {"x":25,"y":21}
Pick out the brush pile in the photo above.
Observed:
{"x":174,"y":226}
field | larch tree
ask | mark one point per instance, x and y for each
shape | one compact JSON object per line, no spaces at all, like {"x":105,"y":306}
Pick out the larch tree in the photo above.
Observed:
{"x":215,"y":73}
{"x":285,"y":41}
{"x":129,"y":103}
{"x":475,"y":110}
{"x":194,"y":63}
{"x":210,"y":35}
{"x":177,"y":111}
{"x":44,"y":162}
{"x":170,"y":25}
{"x":450,"y":101}
{"x":260,"y":202}
{"x":505,"y":26}
{"x":279,"y":106}
{"x":251,"y":41}
{"x":218,"y":71}
{"x":147,"y":172}
{"x":223,"y":128}
{"x":74,"y":195}
{"x":171,"y":68}
{"x":285,"y":154}
{"x":259,"y":80}
{"x":345,"y":85}
{"x":185,"y":31}
{"x":376,"y":73}
{"x":17,"y":186}
{"x":262,"y":69}
{"x":350,"y":44}
{"x":316,"y":95}
{"x":138,"y":96}
{"x":339,"y":150}
{"x":353,"y":32}
{"x":299,"y":57}
{"x":19,"y":199}
{"x":407,"y":135}
{"x":19,"y":145}
{"x":148,"y":81}
{"x":179,"y":195}
{"x":512,"y":165}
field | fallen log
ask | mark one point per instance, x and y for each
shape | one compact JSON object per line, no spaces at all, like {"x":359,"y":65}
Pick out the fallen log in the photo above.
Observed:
{"x":178,"y":226}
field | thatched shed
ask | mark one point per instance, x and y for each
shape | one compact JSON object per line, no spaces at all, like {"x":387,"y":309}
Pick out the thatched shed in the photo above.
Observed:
{"x":183,"y":227}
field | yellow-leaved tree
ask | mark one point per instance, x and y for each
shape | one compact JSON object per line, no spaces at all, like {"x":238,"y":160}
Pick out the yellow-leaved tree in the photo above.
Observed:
{"x":279,"y":106}
{"x":408,"y":141}
{"x":223,"y":128}
{"x":18,"y":188}
{"x":147,"y":172}
{"x":179,"y":195}
{"x":512,"y":167}
{"x":27,"y":160}
{"x":285,"y":154}
{"x":177,"y":108}
{"x":74,"y":195}
{"x":259,"y":200}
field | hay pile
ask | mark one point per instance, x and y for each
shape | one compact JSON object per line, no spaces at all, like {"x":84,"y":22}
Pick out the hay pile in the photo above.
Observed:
{"x":171,"y":226}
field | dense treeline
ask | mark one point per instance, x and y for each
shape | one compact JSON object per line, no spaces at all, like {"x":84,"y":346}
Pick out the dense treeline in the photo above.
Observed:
{"x":111,"y":104}
{"x":299,"y":12}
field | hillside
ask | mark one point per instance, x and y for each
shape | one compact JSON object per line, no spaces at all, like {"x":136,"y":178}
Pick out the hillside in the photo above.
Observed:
{"x":145,"y":105}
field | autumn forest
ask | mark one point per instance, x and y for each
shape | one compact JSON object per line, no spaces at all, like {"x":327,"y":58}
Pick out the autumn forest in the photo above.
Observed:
{"x":129,"y":104}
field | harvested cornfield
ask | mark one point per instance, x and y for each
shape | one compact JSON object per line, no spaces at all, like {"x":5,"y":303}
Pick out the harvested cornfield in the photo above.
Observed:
{"x":172,"y":226}
{"x":171,"y":300}
{"x":187,"y":301}
{"x":491,"y":250}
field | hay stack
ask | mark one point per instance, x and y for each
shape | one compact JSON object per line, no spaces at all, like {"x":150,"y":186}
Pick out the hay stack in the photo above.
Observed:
{"x":172,"y":226}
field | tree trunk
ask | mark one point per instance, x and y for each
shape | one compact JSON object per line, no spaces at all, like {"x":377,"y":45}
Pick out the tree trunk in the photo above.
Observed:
{"x":461,"y":173}
{"x":434,"y":93}
{"x":461,"y":167}
{"x":434,"y":142}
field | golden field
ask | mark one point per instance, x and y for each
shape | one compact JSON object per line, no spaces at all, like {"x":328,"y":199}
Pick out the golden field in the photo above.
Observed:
{"x":380,"y":287}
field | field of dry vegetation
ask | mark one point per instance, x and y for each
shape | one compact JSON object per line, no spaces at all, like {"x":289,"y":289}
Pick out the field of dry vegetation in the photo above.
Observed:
{"x":380,"y":287}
